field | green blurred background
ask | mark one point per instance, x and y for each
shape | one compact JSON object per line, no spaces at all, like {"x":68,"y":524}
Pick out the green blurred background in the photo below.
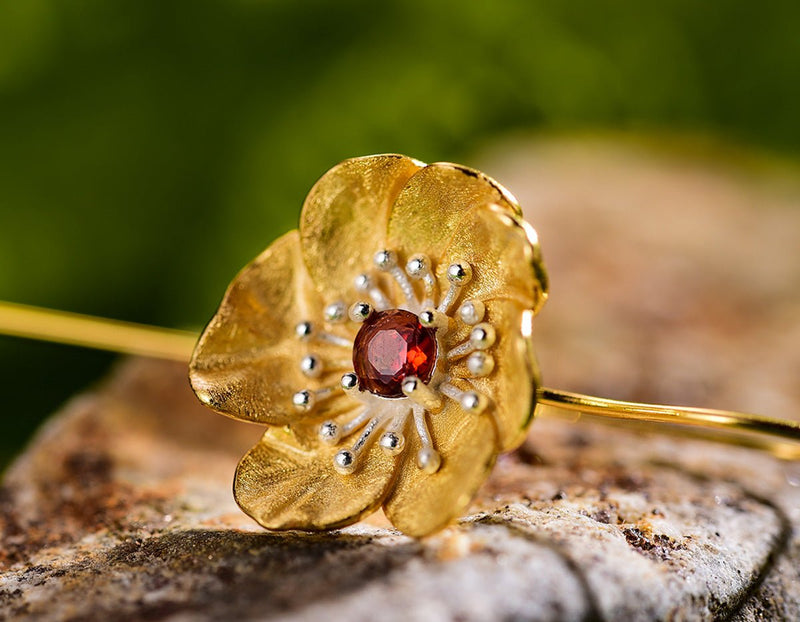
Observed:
{"x":149,"y":149}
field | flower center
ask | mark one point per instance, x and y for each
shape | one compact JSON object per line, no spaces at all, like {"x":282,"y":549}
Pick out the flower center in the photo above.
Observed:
{"x":390,"y":346}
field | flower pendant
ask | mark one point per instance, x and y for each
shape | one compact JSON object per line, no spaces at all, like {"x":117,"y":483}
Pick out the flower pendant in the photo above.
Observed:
{"x":386,"y":345}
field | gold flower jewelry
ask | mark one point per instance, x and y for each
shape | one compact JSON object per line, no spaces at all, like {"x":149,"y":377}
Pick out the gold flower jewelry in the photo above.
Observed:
{"x":386,"y":345}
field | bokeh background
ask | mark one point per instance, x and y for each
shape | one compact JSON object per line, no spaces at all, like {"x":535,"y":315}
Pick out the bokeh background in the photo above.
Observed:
{"x":149,"y":149}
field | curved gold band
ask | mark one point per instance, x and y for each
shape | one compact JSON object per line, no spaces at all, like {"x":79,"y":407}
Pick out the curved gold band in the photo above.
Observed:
{"x":720,"y":425}
{"x":743,"y":429}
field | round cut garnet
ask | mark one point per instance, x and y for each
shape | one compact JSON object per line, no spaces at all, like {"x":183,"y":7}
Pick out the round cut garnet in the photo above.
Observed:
{"x":390,"y":346}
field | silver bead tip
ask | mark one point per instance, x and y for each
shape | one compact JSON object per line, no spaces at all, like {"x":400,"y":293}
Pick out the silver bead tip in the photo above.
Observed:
{"x":385,"y":260}
{"x":459,"y":273}
{"x":392,"y":443}
{"x":344,"y":461}
{"x":329,"y":433}
{"x":303,"y":400}
{"x":429,"y":460}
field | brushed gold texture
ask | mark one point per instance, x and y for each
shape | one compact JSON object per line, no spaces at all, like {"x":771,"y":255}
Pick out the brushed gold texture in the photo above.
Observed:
{"x":421,"y":503}
{"x":246,"y":364}
{"x":283,"y":485}
{"x":511,"y":387}
{"x":344,"y":218}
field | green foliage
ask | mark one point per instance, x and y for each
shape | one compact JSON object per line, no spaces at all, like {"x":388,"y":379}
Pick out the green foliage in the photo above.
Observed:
{"x":149,"y":149}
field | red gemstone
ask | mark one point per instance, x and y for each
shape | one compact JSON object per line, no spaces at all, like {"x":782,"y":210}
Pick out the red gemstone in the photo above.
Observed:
{"x":390,"y":346}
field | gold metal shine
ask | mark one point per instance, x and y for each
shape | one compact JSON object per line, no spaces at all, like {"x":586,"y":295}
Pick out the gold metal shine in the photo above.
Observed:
{"x":75,"y":329}
{"x":284,"y":483}
{"x":477,"y":221}
{"x":344,"y":218}
{"x":422,"y":503}
{"x":246,"y":362}
{"x":243,"y":365}
{"x":512,"y":384}
{"x":726,"y":426}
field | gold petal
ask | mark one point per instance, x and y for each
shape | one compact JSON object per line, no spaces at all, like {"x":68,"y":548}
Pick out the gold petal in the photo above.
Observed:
{"x":511,"y":386}
{"x":451,"y":212}
{"x":283,"y":485}
{"x":504,"y":254}
{"x":478,"y":222}
{"x":345,"y":216}
{"x":422,"y":503}
{"x":247,"y":362}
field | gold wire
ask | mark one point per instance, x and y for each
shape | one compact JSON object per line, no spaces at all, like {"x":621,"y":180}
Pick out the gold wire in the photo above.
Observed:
{"x":92,"y":332}
{"x":741,"y":429}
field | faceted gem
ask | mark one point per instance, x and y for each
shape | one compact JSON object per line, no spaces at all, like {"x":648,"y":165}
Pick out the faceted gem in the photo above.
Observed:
{"x":390,"y":346}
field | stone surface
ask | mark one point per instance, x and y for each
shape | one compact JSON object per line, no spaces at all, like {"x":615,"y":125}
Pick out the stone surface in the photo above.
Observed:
{"x":672,"y":280}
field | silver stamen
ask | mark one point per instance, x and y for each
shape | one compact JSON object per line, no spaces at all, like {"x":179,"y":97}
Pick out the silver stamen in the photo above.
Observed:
{"x":431,"y":318}
{"x":344,"y":461}
{"x":471,"y":311}
{"x":429,"y":460}
{"x":419,"y":267}
{"x":459,"y":274}
{"x":405,"y":286}
{"x":385,"y":260}
{"x":365,"y":435}
{"x":482,"y":336}
{"x":329,"y":433}
{"x":360,"y":311}
{"x":356,"y":422}
{"x":480,"y":364}
{"x":349,"y":383}
{"x":421,"y":393}
{"x":473,"y":402}
{"x":311,"y":366}
{"x":365,"y":283}
{"x":421,"y":425}
{"x":304,"y":400}
{"x":335,"y":340}
{"x":392,"y":443}
{"x":336,"y":312}
{"x":304,"y":330}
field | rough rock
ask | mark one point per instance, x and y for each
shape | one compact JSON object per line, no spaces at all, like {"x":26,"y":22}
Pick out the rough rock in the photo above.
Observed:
{"x":673,"y":280}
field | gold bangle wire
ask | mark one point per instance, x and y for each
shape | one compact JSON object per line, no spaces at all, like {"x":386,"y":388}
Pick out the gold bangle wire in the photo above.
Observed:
{"x":87,"y":331}
{"x":742,"y":429}
{"x":726,"y":426}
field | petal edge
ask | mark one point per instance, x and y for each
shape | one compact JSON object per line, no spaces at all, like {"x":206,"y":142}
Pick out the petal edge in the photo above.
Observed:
{"x":283,"y":486}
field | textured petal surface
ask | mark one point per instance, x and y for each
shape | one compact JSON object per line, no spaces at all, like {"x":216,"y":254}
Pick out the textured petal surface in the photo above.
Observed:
{"x":422,"y":503}
{"x":504,"y":253}
{"x":477,"y":222}
{"x":345,"y":217}
{"x":284,"y":485}
{"x":450,"y":213}
{"x":511,"y":386}
{"x":247,"y":362}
